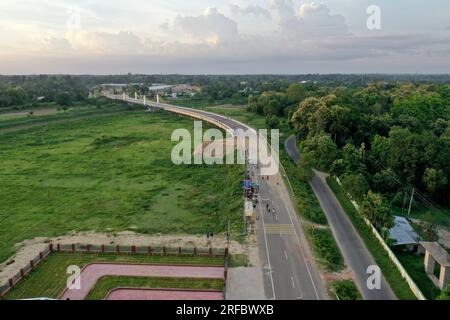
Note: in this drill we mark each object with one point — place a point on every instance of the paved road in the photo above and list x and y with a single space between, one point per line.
289 269
356 255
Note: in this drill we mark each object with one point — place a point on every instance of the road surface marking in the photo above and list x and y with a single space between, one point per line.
268 255
285 254
303 254
281 229
293 283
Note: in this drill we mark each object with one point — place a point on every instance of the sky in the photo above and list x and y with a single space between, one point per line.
224 37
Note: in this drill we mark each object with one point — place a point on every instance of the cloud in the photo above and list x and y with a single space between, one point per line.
317 20
311 20
255 10
296 35
104 42
212 27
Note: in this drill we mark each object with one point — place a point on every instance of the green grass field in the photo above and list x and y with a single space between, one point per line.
110 173
49 279
106 284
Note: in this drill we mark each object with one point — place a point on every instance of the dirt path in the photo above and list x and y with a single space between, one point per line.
93 272
43 122
155 294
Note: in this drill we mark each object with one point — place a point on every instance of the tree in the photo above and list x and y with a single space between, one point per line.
375 209
63 99
338 168
356 185
339 118
296 93
352 159
385 181
273 122
434 180
321 149
305 168
429 228
301 119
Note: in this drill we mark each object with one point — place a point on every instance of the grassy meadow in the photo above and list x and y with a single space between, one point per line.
109 173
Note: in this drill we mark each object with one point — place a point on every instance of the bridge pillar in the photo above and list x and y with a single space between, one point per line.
429 263
145 100
135 95
157 98
444 277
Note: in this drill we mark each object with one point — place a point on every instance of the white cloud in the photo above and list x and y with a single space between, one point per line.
105 43
212 27
297 34
255 10
311 20
316 19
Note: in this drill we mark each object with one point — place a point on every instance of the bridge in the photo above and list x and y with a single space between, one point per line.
287 264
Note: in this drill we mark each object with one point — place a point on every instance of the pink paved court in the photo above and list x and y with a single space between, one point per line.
93 272
155 294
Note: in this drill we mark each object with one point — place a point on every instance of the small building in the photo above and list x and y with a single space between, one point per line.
404 235
113 86
434 253
159 88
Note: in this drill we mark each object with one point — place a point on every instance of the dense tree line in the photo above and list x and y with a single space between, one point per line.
379 139
28 90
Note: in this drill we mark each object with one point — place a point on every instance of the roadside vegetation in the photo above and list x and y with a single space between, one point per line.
326 249
345 290
49 278
392 275
414 266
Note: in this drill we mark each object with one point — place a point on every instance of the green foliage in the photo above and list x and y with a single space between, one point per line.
390 271
296 93
413 264
322 149
106 284
110 173
273 122
377 211
355 185
445 295
345 290
50 277
435 180
326 248
307 203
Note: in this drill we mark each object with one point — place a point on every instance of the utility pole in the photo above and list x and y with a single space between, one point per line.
229 233
410 203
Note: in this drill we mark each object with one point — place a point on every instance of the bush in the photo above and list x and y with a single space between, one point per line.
327 249
445 295
355 185
346 290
